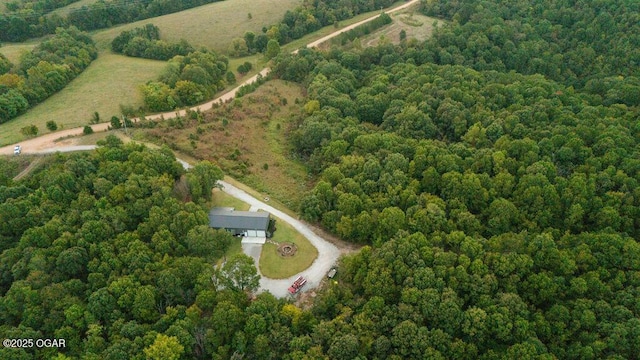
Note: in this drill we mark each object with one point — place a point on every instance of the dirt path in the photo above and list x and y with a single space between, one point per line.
50 141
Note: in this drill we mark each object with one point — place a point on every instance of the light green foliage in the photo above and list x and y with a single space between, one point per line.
186 80
164 348
273 49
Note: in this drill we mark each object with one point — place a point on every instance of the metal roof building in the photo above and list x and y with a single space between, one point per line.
246 223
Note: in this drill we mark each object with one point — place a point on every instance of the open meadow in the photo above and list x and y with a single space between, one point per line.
109 81
213 25
112 80
13 51
415 25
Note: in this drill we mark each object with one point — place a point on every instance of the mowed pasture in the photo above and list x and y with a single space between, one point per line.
213 26
13 51
415 25
109 81
65 10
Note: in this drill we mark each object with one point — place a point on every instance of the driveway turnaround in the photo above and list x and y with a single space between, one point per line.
327 252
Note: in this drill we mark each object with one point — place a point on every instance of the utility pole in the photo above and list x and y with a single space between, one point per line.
125 124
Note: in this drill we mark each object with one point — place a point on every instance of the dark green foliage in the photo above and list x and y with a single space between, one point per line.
145 42
501 207
273 49
5 64
245 67
560 39
52 126
95 222
29 131
87 130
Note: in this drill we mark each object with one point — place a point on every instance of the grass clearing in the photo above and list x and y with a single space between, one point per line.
246 138
14 51
222 199
65 10
212 25
109 81
416 26
274 266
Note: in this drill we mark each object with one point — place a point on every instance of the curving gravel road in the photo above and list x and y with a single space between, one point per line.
327 252
48 141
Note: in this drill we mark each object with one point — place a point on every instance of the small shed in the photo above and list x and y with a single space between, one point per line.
240 223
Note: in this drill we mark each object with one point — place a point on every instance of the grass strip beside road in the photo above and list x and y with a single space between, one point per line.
222 199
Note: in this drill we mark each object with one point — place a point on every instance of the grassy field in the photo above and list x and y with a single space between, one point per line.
213 25
222 199
109 81
415 25
246 138
64 11
13 51
274 266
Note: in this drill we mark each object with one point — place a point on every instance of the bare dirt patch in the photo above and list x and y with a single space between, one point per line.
287 249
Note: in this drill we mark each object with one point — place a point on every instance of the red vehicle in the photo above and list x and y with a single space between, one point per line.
297 285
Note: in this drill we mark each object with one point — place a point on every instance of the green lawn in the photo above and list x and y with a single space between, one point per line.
274 266
222 199
109 81
13 51
213 25
234 248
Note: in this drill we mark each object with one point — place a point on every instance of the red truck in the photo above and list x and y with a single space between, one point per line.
297 285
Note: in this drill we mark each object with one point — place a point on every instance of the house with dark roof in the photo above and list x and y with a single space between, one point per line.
242 223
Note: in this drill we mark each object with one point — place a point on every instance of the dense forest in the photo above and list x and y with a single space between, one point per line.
48 68
491 174
23 24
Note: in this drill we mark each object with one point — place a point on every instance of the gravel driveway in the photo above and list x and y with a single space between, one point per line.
327 252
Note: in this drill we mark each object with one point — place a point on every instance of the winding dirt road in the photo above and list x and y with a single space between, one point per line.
51 141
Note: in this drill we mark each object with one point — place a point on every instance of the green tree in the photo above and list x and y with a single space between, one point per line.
272 50
29 131
202 178
164 348
52 126
239 273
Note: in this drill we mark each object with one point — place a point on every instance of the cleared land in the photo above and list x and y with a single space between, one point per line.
14 51
63 11
416 26
213 25
109 81
274 266
222 199
247 139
